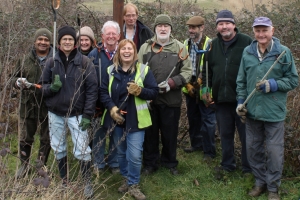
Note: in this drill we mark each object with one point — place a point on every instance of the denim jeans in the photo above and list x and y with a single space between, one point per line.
208 129
99 143
265 150
130 148
58 139
228 120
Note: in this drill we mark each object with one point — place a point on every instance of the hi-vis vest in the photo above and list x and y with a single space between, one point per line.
143 114
205 45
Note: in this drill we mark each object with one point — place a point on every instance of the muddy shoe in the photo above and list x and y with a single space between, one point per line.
88 190
115 170
257 191
135 192
124 187
273 196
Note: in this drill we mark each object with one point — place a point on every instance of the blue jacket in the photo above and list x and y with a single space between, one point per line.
270 106
119 93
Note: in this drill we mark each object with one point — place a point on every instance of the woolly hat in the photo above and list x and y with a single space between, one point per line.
86 31
195 21
43 32
66 30
225 16
162 19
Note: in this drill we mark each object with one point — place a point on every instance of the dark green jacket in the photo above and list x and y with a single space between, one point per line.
32 103
223 67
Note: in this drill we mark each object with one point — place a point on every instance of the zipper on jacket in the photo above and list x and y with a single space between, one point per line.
226 74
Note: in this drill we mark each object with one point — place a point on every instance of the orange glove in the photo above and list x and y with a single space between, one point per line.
199 81
191 90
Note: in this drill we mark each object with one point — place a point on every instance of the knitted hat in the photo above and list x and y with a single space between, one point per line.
86 31
162 19
225 16
66 30
262 21
43 32
195 21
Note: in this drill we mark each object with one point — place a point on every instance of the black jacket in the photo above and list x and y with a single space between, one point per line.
78 93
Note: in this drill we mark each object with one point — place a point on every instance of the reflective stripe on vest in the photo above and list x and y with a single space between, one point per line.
206 43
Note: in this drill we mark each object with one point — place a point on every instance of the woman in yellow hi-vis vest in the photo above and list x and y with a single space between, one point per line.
124 90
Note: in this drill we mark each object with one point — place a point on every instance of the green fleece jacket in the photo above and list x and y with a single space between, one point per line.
223 67
162 64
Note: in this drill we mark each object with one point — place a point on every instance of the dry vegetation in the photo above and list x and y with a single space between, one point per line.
19 20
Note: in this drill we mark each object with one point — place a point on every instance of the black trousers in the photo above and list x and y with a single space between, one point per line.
165 122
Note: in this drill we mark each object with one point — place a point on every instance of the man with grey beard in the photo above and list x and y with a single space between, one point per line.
223 65
169 62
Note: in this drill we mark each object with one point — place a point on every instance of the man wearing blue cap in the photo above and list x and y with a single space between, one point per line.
266 110
223 65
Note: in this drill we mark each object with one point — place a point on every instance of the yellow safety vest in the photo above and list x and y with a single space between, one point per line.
143 114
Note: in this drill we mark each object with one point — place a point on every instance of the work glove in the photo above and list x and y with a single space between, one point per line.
133 89
164 87
267 86
191 90
84 124
116 115
199 81
241 111
206 98
56 84
23 83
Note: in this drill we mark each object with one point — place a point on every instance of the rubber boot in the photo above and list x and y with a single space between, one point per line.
44 151
25 151
63 170
85 167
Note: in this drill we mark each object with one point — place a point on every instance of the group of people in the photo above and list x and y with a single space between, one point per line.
135 87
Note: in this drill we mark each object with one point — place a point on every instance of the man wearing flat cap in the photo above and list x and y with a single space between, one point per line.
223 65
69 84
265 112
161 54
33 111
202 120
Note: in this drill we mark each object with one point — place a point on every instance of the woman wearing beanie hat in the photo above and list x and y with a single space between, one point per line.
86 40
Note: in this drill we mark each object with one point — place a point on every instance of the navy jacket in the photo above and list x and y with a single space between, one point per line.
119 93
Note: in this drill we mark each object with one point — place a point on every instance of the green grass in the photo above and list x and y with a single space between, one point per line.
159 186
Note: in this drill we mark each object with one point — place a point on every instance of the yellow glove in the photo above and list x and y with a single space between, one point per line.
191 90
116 116
133 89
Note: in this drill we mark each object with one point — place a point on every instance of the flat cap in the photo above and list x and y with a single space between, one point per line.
195 21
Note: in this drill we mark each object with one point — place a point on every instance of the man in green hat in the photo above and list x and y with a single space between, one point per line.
171 74
33 111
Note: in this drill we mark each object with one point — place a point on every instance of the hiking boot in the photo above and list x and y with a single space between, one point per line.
135 192
148 170
115 170
174 171
192 149
124 187
85 168
88 190
207 158
273 196
22 171
257 191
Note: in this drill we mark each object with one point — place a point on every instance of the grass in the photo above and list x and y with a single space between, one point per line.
196 181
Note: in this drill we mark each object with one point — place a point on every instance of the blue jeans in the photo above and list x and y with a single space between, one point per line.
228 120
208 129
58 139
265 150
130 148
99 143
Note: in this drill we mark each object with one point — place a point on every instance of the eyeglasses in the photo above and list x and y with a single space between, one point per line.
130 15
110 34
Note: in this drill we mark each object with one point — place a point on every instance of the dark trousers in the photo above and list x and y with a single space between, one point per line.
228 120
195 122
165 121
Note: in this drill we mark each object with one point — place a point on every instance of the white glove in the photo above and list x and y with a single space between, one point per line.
164 87
23 83
241 112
